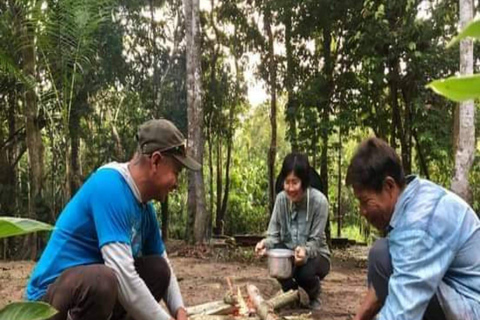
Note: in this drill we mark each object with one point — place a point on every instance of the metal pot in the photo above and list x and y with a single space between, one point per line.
280 263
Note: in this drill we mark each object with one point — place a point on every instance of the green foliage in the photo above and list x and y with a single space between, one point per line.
248 202
24 310
352 232
465 87
458 88
17 226
472 30
27 311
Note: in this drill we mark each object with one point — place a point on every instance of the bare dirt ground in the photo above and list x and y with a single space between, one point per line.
202 277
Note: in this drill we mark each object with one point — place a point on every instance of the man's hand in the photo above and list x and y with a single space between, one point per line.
300 256
260 249
181 314
370 306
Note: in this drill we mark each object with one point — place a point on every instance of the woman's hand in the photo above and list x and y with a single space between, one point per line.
300 256
260 249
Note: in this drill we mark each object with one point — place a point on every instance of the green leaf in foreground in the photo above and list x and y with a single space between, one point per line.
27 311
458 88
471 30
10 226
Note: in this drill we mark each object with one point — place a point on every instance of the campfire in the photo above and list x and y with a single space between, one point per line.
253 306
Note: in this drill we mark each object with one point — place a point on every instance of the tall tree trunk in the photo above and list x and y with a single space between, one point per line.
7 171
33 133
196 188
153 44
213 86
328 69
165 220
218 214
465 137
407 144
210 164
272 83
227 169
75 172
398 128
421 156
291 101
325 110
339 185
8 156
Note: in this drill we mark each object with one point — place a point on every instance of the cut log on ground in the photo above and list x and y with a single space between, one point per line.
264 308
222 310
211 308
220 317
284 299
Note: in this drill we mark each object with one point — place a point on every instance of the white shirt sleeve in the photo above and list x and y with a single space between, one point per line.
173 297
133 293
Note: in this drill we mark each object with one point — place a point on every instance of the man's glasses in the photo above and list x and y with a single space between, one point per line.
178 150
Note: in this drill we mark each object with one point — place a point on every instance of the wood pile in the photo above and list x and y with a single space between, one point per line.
235 306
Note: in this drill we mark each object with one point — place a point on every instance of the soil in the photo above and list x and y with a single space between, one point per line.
202 274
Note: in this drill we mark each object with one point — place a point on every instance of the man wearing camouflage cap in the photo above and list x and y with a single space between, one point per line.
106 258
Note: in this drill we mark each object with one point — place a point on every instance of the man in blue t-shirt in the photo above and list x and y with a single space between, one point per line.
106 258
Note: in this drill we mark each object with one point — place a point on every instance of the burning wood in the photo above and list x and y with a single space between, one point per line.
238 308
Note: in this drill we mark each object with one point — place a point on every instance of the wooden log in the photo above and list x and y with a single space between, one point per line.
232 317
218 308
211 308
264 308
284 299
221 317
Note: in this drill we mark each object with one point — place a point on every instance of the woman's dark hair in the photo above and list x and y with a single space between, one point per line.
373 161
298 164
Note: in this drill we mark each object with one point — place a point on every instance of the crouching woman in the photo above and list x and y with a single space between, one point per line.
298 223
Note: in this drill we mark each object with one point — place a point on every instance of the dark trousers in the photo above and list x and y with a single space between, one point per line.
308 276
379 271
90 292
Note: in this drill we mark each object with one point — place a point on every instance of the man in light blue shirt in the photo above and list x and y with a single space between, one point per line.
428 266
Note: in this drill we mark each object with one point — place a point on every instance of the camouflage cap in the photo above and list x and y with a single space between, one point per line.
163 136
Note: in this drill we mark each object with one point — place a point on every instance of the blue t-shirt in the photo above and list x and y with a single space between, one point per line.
103 211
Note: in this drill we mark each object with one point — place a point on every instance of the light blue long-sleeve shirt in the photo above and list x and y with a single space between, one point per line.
435 247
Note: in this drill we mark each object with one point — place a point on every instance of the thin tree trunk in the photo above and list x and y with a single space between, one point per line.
465 139
75 173
325 111
210 164
291 101
165 220
227 169
339 185
408 130
272 82
213 84
196 188
8 159
398 128
421 156
218 215
33 133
